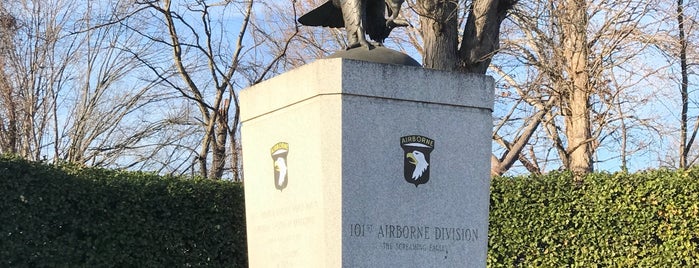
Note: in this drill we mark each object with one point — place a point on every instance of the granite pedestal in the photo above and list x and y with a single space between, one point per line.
357 164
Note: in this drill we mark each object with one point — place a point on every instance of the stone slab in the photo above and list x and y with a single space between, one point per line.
347 135
378 54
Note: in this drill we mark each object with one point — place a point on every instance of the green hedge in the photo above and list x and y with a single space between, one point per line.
72 217
647 219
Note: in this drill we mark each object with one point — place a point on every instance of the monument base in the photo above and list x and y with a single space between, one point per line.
358 164
376 54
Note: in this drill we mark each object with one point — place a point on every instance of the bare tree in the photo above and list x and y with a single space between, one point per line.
8 121
578 74
103 123
70 93
94 87
208 65
33 66
677 24
685 25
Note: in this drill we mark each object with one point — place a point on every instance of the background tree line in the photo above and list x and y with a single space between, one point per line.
153 84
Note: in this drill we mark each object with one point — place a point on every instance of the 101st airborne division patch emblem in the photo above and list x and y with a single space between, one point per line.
416 160
281 171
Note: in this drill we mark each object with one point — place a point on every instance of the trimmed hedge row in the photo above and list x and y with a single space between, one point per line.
73 217
68 216
648 219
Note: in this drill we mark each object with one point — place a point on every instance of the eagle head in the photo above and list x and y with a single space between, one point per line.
417 159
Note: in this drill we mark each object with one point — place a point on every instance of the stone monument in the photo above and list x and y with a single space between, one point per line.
365 159
358 164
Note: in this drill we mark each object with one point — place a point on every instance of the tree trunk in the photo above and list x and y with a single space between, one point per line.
514 151
218 159
575 50
236 152
8 116
438 25
481 38
684 90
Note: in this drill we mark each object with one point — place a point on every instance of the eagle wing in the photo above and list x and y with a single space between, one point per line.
375 20
359 17
327 15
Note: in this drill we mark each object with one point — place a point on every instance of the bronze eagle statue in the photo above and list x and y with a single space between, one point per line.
359 17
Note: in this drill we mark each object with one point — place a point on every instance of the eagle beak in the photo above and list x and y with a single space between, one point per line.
411 158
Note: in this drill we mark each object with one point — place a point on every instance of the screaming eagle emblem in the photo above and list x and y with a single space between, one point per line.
416 160
281 176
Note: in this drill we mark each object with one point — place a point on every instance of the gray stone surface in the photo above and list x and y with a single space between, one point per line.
376 54
347 201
